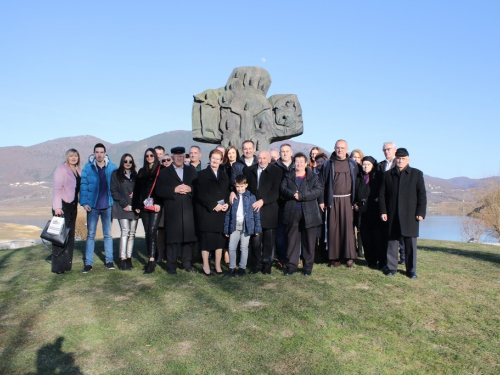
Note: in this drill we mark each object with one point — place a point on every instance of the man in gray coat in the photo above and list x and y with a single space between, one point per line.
403 204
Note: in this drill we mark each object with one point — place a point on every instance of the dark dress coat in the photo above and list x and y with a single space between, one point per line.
366 197
269 192
327 175
402 197
142 188
208 191
309 192
178 208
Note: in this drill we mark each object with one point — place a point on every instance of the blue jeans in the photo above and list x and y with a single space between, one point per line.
92 218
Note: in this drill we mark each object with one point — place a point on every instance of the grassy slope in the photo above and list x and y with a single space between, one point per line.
337 321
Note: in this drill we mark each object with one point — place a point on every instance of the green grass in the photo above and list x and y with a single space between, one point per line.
337 321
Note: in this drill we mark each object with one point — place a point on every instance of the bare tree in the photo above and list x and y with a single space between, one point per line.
484 215
473 229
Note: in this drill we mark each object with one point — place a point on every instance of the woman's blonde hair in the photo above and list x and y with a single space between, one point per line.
71 152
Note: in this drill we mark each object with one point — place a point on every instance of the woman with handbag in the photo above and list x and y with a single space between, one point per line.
122 188
148 204
65 204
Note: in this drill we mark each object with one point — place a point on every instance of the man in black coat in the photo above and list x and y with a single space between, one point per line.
246 160
402 202
286 163
175 186
389 150
264 181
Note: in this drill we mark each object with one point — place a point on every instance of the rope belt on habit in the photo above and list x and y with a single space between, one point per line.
341 196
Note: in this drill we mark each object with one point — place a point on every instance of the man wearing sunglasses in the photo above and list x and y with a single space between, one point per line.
96 199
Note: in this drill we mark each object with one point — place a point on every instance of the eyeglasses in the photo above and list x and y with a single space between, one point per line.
127 162
150 156
165 160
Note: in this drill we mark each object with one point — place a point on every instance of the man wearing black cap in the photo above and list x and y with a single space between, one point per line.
175 186
402 202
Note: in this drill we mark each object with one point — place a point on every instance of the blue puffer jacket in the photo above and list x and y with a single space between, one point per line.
89 187
252 218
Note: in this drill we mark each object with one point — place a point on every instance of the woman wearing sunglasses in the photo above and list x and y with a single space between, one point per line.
166 160
150 214
122 188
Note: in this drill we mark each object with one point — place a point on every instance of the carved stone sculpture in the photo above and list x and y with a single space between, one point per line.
240 111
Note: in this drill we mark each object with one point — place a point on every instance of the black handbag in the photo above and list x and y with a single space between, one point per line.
56 239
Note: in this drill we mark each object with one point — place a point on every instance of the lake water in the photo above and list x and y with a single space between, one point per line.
446 228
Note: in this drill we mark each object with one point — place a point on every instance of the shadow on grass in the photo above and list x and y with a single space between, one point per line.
138 252
50 359
21 337
479 255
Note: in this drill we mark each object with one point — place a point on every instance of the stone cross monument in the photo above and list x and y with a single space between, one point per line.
240 111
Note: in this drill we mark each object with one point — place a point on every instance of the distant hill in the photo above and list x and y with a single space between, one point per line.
28 165
38 162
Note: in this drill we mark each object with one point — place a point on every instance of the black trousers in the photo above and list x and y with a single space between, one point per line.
187 254
62 257
262 247
150 220
410 253
299 235
372 239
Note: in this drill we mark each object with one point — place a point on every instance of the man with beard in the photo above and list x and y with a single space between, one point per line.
338 176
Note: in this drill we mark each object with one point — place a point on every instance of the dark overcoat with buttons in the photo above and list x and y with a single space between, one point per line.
402 197
208 191
268 191
179 213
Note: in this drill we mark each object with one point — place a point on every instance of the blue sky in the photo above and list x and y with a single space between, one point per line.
425 74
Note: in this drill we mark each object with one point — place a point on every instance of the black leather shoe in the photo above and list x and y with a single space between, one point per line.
188 269
172 272
240 272
412 275
266 270
307 273
254 270
230 273
150 267
402 261
390 273
287 272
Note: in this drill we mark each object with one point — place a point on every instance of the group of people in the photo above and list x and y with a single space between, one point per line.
273 206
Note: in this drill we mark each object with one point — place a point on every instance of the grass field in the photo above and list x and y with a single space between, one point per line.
338 321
